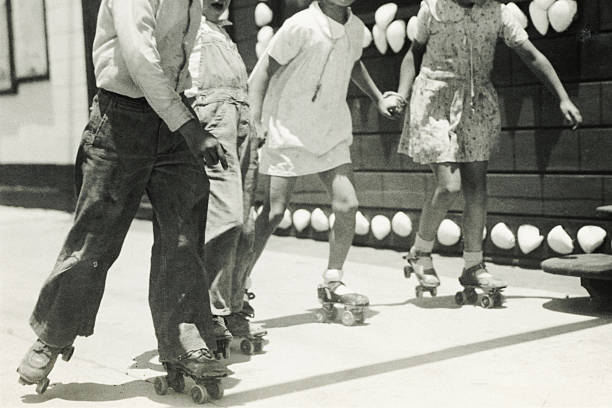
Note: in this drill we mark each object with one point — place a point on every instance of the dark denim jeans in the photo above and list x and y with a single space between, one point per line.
126 149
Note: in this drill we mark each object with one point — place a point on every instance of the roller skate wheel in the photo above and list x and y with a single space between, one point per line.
247 347
41 387
498 299
67 353
418 291
161 385
486 301
459 298
258 347
472 296
348 318
215 390
198 394
178 384
321 316
434 292
407 271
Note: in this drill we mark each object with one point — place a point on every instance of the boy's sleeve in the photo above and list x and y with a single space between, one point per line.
423 22
287 42
135 22
511 30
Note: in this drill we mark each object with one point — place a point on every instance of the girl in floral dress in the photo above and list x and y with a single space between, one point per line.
453 121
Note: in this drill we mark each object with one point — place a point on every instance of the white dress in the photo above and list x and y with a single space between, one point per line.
310 131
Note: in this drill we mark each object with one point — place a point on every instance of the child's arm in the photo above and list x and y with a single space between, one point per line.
541 66
361 77
258 85
408 68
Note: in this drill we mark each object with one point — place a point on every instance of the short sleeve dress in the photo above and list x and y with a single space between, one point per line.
305 111
454 112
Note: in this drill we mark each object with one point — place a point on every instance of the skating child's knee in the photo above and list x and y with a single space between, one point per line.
345 206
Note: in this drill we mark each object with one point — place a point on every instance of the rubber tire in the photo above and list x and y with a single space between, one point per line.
198 394
42 385
247 347
215 390
161 385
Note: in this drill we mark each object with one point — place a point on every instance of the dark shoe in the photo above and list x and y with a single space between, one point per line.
479 276
199 364
239 325
328 294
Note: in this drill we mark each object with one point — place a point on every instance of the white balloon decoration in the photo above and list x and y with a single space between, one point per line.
396 35
362 225
259 49
319 221
539 18
380 39
401 224
411 28
286 221
381 227
590 237
367 37
543 4
265 34
502 237
529 238
263 14
559 241
561 14
301 219
449 233
385 15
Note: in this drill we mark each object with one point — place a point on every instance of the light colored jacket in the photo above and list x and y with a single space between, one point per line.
142 48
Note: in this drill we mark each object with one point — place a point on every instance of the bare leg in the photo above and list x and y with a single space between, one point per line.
278 192
474 184
448 186
344 205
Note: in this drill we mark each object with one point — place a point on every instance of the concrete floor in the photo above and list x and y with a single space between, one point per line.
545 348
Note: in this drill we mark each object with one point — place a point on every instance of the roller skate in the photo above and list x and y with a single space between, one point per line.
246 306
334 291
426 276
223 337
247 337
200 366
477 277
38 363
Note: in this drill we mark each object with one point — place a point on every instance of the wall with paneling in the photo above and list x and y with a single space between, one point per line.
542 174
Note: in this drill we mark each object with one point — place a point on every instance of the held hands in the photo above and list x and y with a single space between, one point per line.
571 113
203 144
392 105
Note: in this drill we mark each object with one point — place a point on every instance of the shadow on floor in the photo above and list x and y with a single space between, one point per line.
580 306
140 388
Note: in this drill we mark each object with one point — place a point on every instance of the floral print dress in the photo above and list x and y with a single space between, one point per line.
454 112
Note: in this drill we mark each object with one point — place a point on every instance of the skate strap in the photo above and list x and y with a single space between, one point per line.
332 286
195 354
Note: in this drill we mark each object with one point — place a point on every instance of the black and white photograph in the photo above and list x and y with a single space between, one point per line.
306 203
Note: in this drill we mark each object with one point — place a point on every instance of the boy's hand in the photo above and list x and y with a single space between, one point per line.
571 113
202 144
260 133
